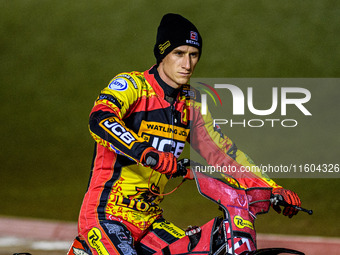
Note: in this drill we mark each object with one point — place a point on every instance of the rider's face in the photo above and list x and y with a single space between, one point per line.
177 67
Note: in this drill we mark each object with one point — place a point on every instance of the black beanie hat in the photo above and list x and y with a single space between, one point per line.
174 31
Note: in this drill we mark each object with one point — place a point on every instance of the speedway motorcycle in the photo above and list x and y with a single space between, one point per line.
232 234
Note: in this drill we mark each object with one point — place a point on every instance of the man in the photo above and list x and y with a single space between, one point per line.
140 123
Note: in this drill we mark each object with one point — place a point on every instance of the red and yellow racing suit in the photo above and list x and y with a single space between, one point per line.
130 115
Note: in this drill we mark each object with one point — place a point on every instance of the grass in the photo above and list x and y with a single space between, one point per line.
56 57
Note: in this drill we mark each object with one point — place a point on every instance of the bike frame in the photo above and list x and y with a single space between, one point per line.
235 233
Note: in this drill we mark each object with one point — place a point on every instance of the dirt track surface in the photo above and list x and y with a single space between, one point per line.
40 237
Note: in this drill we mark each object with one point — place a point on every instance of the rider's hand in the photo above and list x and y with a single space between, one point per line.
163 162
291 198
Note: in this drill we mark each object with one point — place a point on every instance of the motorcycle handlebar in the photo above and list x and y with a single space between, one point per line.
183 166
279 200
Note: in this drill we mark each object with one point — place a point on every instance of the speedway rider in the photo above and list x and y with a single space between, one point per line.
151 114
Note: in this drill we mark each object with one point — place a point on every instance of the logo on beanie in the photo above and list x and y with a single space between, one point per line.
193 35
163 47
193 39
